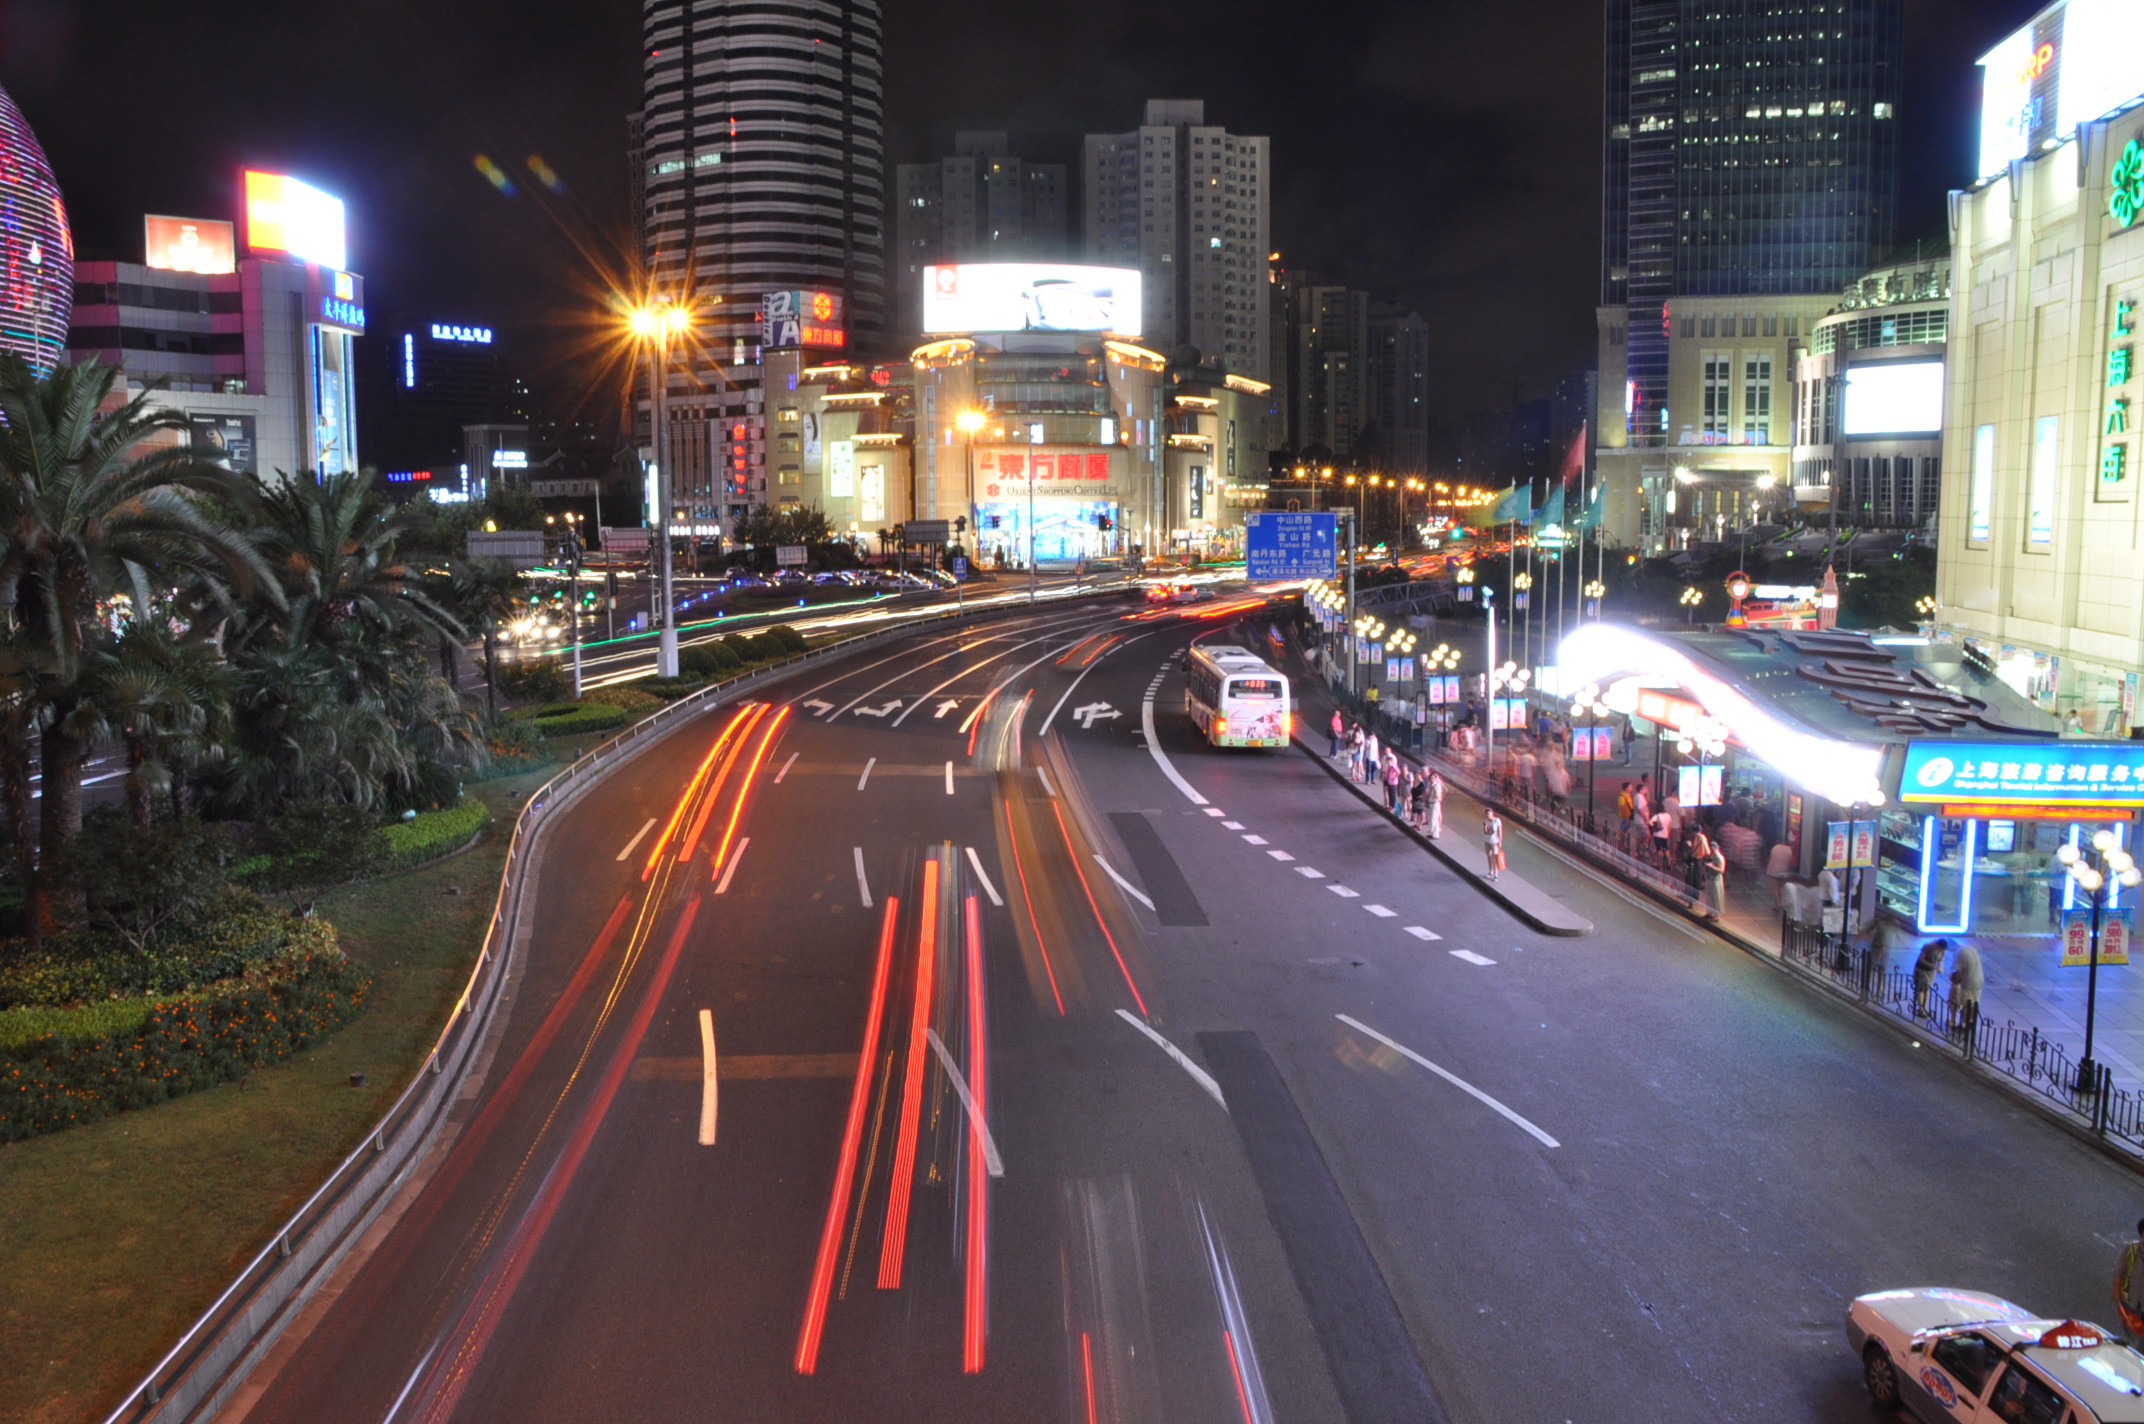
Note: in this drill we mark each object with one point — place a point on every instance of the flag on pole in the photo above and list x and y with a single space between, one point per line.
1552 512
1513 506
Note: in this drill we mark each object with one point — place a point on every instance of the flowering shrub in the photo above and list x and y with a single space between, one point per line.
241 931
276 1009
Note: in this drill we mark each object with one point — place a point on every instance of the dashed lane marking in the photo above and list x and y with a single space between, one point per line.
1471 957
1309 874
1344 893
1280 855
1419 933
1379 910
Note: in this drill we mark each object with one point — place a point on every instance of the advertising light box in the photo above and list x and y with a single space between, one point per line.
295 219
189 245
2024 773
1893 398
1030 296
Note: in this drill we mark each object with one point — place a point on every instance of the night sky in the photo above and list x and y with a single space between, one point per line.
1445 155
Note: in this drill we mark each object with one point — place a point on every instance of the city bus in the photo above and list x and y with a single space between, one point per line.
1235 698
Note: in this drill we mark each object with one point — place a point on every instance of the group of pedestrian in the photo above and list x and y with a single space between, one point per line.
1413 795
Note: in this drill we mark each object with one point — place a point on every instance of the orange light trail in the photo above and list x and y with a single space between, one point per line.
975 1314
714 790
822 1275
1073 855
904 1150
662 842
1029 901
744 792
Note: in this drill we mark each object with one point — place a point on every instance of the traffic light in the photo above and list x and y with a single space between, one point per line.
1104 523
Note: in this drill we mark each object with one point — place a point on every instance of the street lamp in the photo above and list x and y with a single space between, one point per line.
1926 607
655 325
1588 703
1595 592
1522 595
2101 875
1689 601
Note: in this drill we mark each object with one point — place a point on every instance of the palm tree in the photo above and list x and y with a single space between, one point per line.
170 700
484 593
89 511
334 542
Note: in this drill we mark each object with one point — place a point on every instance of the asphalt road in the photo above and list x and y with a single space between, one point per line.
1293 1124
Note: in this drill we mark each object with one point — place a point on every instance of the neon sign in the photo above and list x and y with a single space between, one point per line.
479 335
2125 200
2042 59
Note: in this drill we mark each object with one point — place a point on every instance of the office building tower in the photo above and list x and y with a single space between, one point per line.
982 204
36 248
1749 166
1332 332
1395 402
761 152
425 382
1189 204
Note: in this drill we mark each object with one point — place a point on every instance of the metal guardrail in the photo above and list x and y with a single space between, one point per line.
215 1354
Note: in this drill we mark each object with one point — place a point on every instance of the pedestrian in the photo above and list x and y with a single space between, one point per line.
1373 759
2129 1287
1339 732
1714 869
1392 783
1354 752
1436 804
1492 840
1779 868
1419 791
1925 970
1967 979
1663 828
1626 809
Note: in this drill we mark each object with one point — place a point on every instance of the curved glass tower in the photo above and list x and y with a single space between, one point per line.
36 249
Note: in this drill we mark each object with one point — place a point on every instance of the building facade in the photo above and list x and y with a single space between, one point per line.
761 169
428 380
36 247
1868 401
1396 388
1189 205
983 203
2037 555
1749 169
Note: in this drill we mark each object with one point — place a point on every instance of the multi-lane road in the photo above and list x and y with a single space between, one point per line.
949 1034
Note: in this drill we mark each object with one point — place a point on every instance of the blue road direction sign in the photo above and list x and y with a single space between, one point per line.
1290 545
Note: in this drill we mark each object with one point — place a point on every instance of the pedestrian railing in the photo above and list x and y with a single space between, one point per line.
198 1375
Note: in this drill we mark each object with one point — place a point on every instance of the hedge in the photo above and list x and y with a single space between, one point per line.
585 717
245 931
431 834
25 1026
198 1041
632 699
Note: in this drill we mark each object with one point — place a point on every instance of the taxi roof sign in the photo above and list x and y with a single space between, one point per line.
2072 1335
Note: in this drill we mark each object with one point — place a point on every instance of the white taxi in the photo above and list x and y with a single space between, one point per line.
1967 1355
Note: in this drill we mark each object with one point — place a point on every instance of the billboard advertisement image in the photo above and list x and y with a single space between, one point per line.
229 438
189 245
1893 398
1030 296
294 219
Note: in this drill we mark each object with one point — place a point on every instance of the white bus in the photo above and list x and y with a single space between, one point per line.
1236 699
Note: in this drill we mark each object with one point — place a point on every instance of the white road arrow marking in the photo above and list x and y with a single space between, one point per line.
1094 712
944 707
818 707
1198 1075
888 710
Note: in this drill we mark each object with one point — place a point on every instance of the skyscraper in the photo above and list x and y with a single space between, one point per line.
36 248
1749 167
1190 205
761 151
981 204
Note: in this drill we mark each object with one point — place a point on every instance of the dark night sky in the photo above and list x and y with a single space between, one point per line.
1444 153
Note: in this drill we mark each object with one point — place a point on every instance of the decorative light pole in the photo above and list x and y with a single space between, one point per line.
1927 607
1689 601
1595 592
1587 702
655 326
2098 874
1522 594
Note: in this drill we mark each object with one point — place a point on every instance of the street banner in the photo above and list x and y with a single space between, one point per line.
2114 938
2076 938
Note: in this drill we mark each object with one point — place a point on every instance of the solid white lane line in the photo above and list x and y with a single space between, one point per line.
710 1091
949 778
1471 957
1344 893
1161 758
1198 1074
638 837
1419 933
785 767
984 876
722 887
867 773
1380 911
1122 884
1454 1079
1215 811
1232 825
1044 773
1255 840
396 1407
1280 855
994 1163
1309 874
863 886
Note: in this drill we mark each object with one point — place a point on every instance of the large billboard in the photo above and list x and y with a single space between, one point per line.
799 318
1893 398
1030 296
229 438
189 245
2074 63
294 219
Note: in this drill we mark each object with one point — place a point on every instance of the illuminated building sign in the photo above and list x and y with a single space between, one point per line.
338 300
2024 773
510 459
1030 296
2114 423
189 245
294 219
800 318
2074 64
479 335
405 477
2125 184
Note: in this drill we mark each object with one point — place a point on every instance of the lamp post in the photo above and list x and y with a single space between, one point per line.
1872 802
2099 874
1508 677
1926 607
1689 601
1595 592
1522 585
1588 702
654 326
